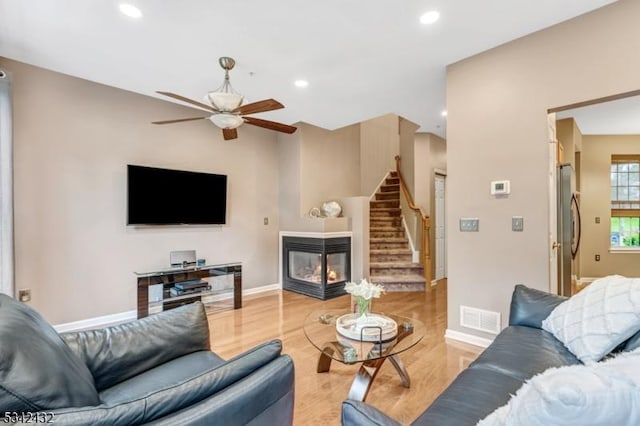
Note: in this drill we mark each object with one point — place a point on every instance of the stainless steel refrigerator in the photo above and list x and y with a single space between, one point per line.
569 228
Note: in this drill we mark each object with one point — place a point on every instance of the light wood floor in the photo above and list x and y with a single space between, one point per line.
432 364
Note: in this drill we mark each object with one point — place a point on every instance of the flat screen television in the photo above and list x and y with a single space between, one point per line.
175 197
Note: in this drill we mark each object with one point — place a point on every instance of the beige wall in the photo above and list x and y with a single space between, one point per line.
596 202
379 144
569 136
497 129
72 141
289 202
330 164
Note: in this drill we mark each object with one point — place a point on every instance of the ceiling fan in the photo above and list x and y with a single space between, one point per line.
227 111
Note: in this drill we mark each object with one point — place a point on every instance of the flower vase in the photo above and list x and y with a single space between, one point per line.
363 307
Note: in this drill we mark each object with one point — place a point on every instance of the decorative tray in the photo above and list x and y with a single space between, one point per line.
367 328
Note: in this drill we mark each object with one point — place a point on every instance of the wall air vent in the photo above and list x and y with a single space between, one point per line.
479 319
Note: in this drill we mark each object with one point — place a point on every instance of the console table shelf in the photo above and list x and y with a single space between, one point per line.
159 283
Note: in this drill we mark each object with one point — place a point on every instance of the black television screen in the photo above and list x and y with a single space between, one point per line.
170 197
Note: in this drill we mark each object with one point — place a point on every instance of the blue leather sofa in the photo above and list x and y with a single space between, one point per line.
158 370
519 352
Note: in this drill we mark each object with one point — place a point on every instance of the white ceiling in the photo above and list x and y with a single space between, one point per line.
621 117
362 58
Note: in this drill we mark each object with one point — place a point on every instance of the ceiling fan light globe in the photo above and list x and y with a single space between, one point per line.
225 101
226 121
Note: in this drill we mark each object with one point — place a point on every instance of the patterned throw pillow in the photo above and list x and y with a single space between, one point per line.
596 320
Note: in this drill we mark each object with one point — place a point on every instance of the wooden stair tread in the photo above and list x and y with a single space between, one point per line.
388 240
390 251
385 209
393 265
390 279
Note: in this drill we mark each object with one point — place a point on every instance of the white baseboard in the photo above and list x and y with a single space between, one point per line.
262 289
96 322
467 338
121 317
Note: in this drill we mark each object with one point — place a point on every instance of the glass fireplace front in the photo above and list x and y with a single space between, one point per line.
317 267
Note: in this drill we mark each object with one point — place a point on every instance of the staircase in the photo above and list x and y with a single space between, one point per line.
390 255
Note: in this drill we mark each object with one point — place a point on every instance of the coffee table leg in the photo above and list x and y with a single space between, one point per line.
402 372
324 362
364 378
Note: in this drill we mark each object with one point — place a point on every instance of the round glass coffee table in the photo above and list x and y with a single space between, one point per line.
320 329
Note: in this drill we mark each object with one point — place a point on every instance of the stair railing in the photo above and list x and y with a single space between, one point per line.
425 246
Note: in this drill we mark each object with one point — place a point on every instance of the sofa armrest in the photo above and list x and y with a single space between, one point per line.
264 398
356 413
529 307
116 353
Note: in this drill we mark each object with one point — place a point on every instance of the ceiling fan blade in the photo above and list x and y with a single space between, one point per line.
260 106
189 101
271 125
229 134
179 120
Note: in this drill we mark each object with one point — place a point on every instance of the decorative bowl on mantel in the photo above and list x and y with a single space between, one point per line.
331 209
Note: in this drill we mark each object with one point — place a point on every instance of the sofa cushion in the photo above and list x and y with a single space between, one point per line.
522 352
473 395
164 376
38 371
116 353
593 322
265 398
151 396
604 393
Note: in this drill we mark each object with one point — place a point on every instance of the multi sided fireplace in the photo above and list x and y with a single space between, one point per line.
317 267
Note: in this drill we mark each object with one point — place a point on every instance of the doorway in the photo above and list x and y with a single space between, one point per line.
600 140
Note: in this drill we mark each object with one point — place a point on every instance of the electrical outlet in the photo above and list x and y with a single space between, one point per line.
597 219
597 258
469 224
24 295
266 220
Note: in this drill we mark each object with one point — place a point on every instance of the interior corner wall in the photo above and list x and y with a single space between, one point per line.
72 141
379 145
289 203
595 201
497 129
329 165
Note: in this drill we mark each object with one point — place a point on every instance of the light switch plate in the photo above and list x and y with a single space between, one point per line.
517 224
469 224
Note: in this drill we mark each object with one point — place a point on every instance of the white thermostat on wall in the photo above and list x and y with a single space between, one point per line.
500 187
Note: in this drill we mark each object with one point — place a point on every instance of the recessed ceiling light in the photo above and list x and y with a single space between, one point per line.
301 83
130 10
444 113
430 17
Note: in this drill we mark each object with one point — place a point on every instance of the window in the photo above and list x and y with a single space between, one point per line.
625 201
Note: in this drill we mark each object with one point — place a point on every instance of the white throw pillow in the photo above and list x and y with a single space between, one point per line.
605 393
596 320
